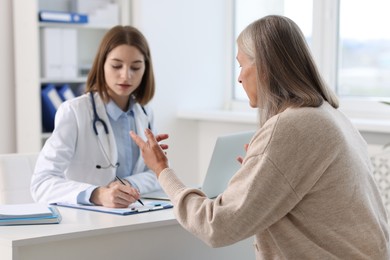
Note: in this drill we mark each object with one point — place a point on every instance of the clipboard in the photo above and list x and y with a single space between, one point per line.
134 208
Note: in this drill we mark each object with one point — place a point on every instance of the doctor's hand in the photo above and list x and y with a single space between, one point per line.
152 152
115 195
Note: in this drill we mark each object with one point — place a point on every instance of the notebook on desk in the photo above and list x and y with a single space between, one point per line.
28 214
223 165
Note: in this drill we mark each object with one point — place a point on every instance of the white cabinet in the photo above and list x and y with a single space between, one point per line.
29 53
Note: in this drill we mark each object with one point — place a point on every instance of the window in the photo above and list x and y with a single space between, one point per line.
349 41
247 11
364 50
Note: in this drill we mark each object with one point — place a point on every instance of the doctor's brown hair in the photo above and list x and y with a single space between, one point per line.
287 75
116 36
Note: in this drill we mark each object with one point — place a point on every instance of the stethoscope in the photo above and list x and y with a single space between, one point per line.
97 119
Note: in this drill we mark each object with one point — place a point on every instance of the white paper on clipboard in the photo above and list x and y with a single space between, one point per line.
134 208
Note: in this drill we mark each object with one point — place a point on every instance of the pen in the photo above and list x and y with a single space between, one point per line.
119 179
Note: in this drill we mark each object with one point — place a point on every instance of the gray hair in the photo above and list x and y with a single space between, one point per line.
286 72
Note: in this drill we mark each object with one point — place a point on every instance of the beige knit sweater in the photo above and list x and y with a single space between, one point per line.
305 191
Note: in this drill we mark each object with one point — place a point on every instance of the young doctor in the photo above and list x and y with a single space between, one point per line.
90 145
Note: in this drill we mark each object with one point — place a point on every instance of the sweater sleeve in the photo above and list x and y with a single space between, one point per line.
257 196
250 203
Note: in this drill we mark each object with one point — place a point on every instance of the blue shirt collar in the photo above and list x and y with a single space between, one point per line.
115 112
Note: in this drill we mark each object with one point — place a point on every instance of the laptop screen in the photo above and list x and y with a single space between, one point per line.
223 165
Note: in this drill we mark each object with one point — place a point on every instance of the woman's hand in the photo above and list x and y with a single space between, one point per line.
240 159
152 152
115 195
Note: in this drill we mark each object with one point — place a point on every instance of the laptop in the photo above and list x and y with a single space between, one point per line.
223 165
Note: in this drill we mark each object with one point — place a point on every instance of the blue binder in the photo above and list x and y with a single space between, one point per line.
51 100
65 92
62 17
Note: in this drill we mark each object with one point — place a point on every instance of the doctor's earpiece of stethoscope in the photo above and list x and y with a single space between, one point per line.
96 117
106 167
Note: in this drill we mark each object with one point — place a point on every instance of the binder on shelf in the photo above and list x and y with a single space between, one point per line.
65 92
69 53
79 89
28 214
59 52
51 100
62 17
51 52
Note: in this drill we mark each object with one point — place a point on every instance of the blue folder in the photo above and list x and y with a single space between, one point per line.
62 17
53 218
51 100
65 92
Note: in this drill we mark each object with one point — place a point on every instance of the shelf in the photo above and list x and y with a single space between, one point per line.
28 51
61 80
75 25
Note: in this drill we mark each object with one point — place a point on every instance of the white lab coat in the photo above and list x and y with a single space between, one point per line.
67 163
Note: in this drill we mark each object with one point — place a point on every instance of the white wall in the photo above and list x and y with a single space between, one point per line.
7 97
190 50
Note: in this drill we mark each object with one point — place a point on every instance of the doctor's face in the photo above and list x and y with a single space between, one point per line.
123 71
247 76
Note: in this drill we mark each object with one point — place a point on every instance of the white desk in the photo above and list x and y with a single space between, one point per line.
93 235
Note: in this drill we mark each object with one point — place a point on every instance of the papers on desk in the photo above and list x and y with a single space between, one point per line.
28 214
134 208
